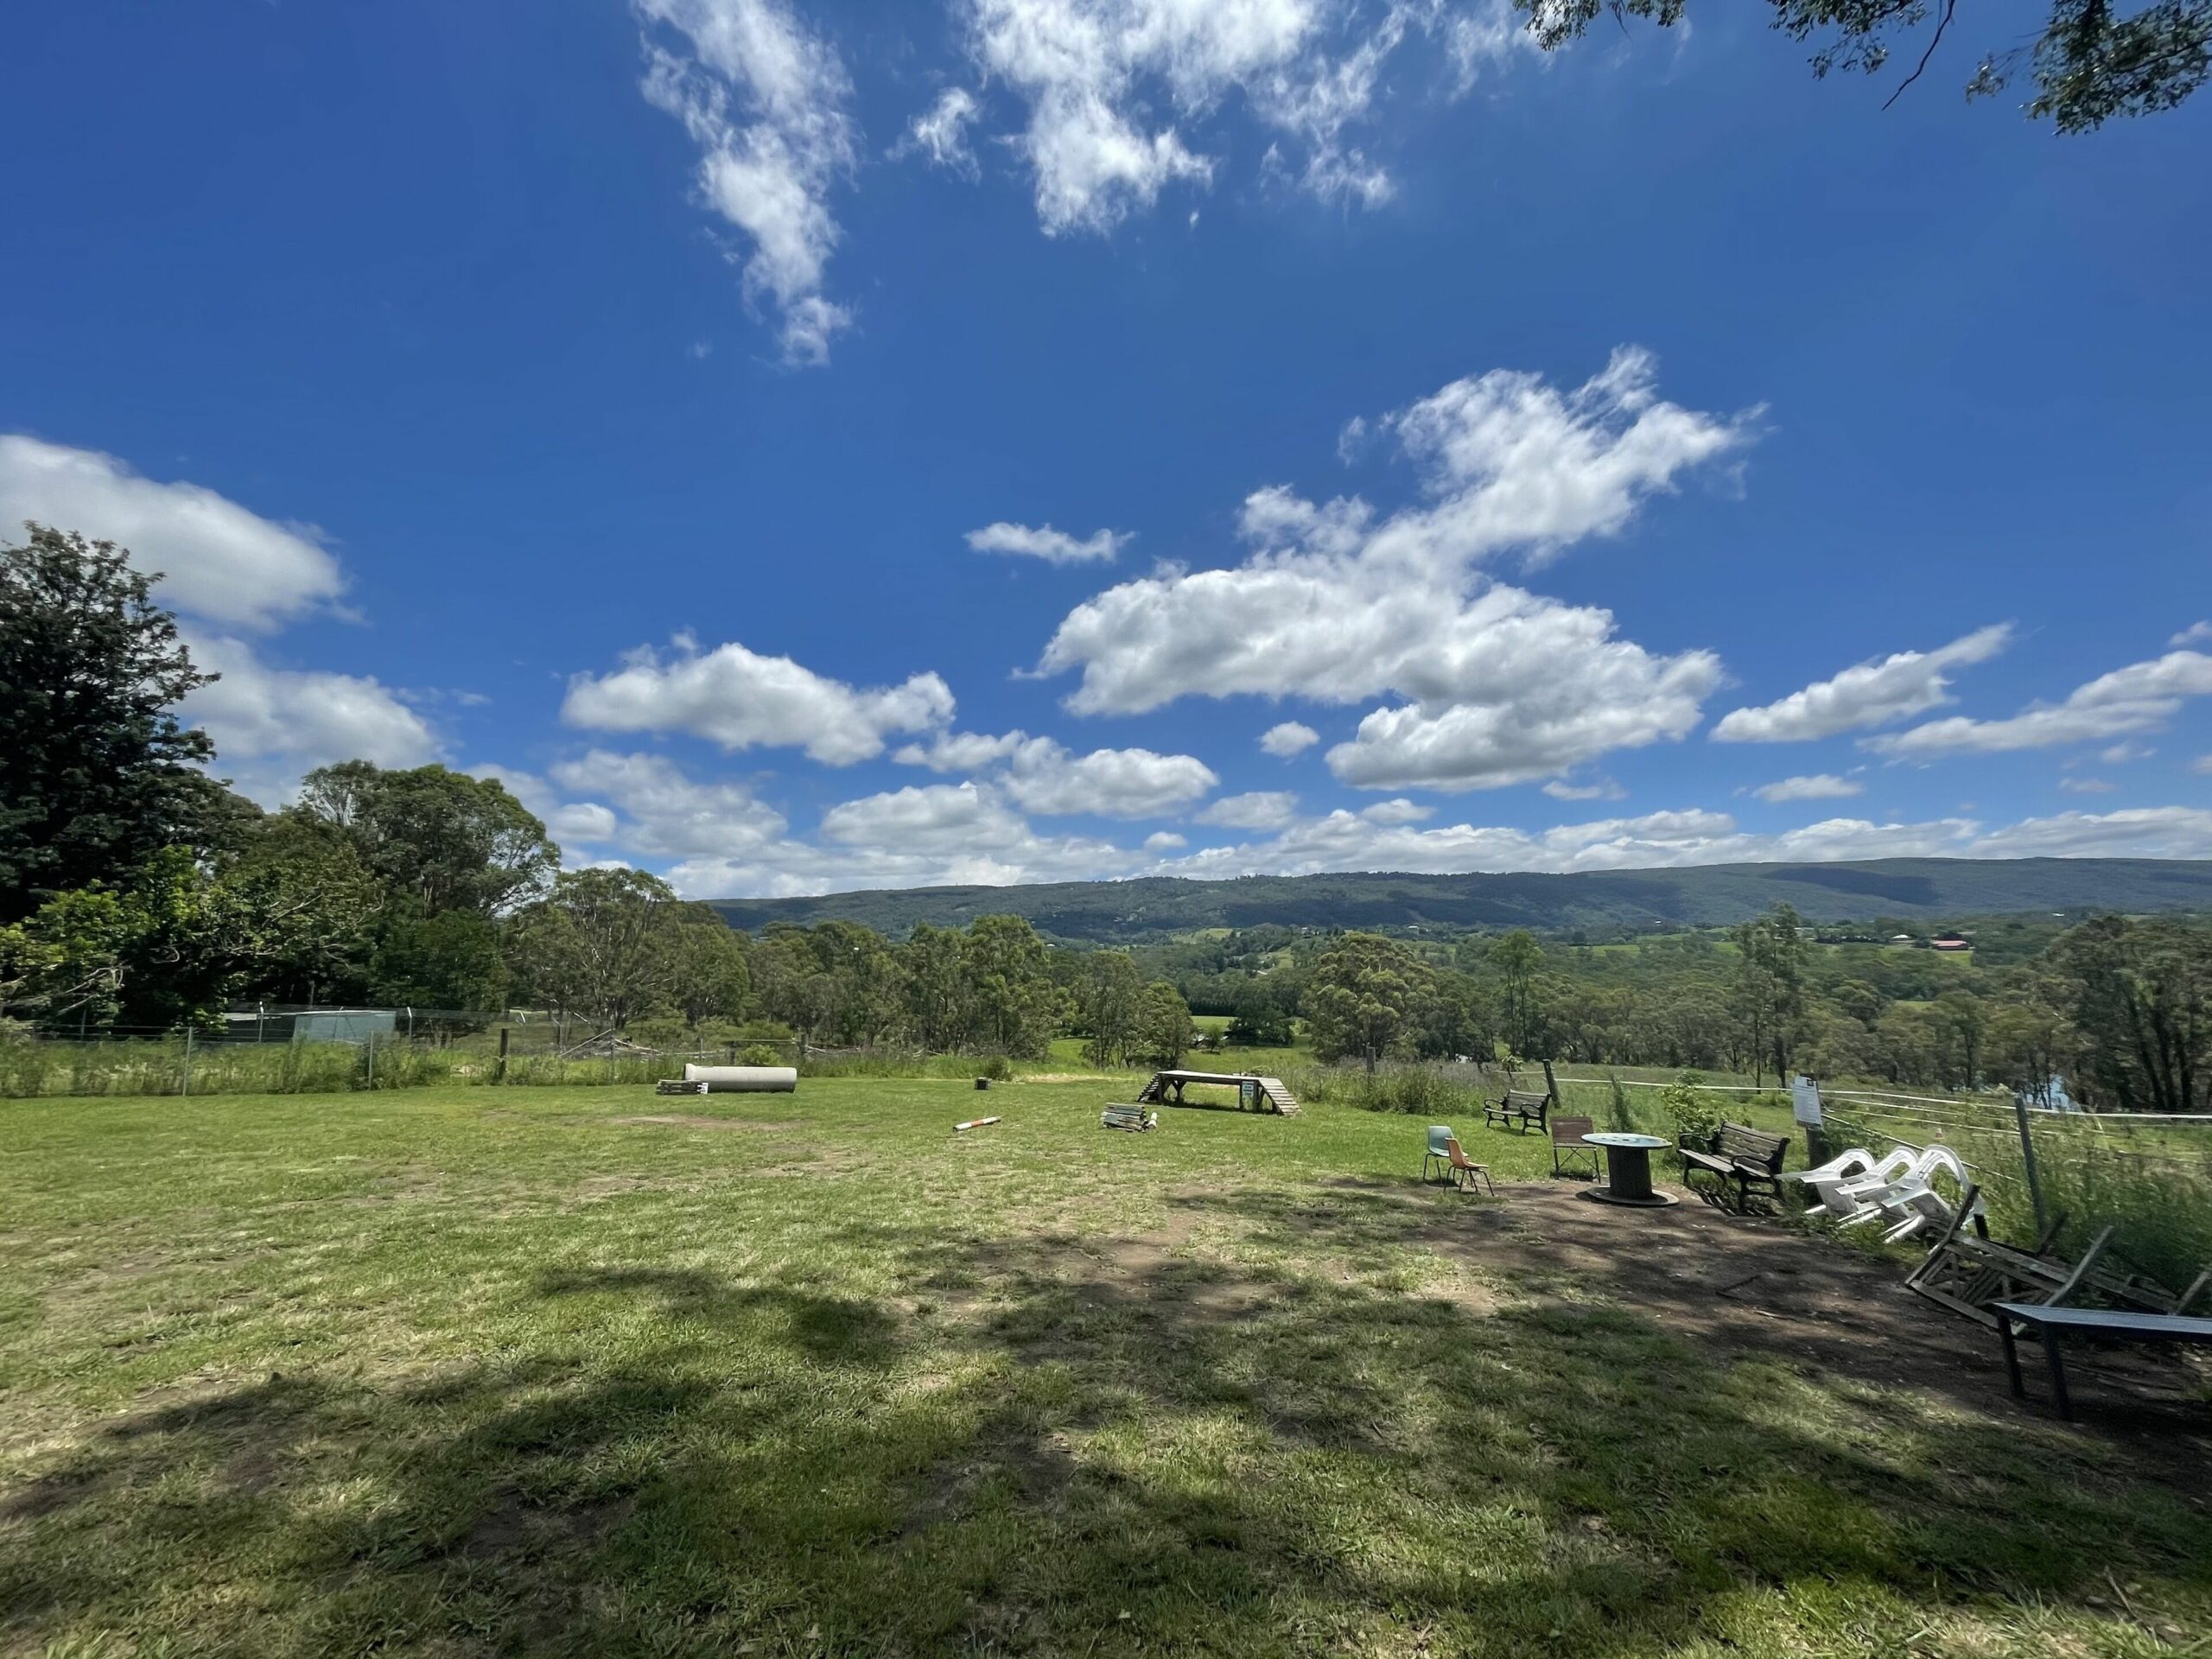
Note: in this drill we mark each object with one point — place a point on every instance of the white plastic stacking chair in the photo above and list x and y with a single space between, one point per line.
1858 1197
1914 1202
1842 1166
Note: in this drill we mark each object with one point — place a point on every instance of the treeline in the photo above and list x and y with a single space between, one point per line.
138 893
427 888
2117 1012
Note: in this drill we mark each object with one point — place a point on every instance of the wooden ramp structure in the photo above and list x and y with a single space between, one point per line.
1254 1092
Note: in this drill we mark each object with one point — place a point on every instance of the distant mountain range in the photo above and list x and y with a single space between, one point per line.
1609 900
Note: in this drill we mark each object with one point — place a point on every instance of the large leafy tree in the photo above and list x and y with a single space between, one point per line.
1014 1006
96 773
603 944
179 941
1109 995
1163 1028
934 980
713 979
2140 996
1365 992
1770 988
2089 61
439 840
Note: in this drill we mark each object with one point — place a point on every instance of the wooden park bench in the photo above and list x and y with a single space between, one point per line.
1738 1159
1520 1110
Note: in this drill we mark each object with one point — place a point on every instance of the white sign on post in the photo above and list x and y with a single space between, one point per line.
1805 1101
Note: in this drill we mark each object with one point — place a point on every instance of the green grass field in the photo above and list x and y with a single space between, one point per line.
471 1371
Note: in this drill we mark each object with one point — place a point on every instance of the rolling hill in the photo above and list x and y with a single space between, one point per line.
1713 895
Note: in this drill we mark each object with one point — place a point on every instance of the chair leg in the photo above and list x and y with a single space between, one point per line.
2011 1357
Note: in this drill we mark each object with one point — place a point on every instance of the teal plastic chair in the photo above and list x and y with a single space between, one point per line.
1440 1150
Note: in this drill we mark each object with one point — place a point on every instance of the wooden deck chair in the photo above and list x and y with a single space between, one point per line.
1440 1150
1568 1150
1465 1169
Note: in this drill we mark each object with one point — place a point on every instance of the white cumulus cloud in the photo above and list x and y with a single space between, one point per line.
575 824
2138 698
1260 809
1287 739
767 103
742 700
1897 687
667 814
217 560
1041 775
271 725
1499 685
1816 787
1043 542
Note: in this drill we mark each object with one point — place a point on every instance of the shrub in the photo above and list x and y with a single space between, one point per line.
761 1054
1692 1115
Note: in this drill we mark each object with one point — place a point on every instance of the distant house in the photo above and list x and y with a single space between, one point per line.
1952 942
1901 938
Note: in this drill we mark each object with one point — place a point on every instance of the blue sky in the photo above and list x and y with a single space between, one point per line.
802 447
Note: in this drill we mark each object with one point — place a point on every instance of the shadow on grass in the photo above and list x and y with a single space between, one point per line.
1053 1443
829 1330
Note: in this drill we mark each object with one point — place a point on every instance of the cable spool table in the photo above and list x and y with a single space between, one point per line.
1628 1169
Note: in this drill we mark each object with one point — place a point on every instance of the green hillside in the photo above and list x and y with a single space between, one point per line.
1609 901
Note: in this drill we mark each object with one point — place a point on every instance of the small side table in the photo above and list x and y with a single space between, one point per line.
1628 1169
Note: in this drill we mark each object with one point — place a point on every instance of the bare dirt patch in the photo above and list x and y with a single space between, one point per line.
1753 1286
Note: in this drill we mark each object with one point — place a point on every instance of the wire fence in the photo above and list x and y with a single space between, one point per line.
273 1048
2148 1177
277 1049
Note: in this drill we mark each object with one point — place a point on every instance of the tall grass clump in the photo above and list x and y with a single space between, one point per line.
162 1065
892 1062
1434 1090
552 1071
2158 1204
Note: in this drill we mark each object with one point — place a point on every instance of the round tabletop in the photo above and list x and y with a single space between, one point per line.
1628 1142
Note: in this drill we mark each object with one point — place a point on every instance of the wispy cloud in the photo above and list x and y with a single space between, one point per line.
1817 786
1043 542
1897 687
767 104
2140 697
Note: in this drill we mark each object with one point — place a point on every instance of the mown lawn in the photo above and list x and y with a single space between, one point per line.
511 1370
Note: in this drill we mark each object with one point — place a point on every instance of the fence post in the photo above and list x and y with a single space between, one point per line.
372 1056
501 1076
187 1060
2028 1160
